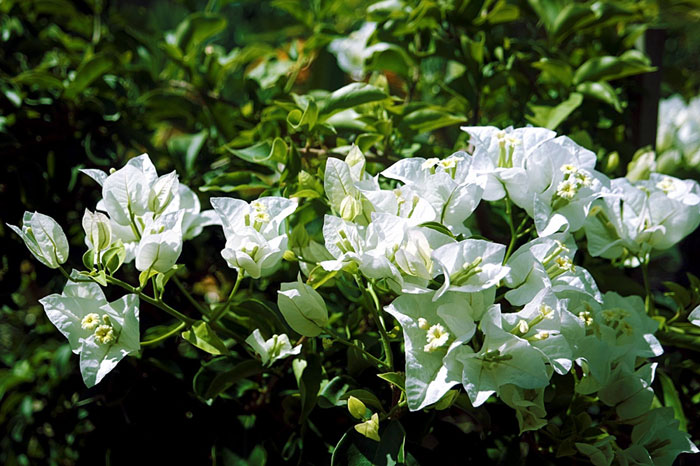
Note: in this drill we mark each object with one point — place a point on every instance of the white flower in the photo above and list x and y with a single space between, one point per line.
254 242
161 243
101 332
44 238
275 348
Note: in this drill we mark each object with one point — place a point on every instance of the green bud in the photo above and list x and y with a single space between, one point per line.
357 408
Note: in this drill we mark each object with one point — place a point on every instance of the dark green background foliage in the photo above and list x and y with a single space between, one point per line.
224 92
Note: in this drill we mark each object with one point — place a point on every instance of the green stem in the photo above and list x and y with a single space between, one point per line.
189 297
374 307
168 334
369 355
513 234
649 299
155 302
239 278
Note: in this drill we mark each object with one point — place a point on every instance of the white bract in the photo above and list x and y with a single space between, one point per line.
449 186
500 156
546 263
161 243
637 218
101 332
44 238
433 331
302 307
255 242
275 348
470 265
135 197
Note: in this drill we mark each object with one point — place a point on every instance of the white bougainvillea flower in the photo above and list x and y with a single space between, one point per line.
161 243
126 192
345 241
629 392
275 348
502 359
401 253
500 156
344 182
101 332
194 220
542 323
351 51
254 239
448 185
561 186
547 263
44 238
470 265
404 202
636 218
433 330
302 307
694 316
657 438
617 332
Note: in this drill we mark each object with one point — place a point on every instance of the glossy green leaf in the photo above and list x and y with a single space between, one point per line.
226 379
552 116
197 28
672 399
203 337
602 91
357 450
398 379
608 68
348 97
89 72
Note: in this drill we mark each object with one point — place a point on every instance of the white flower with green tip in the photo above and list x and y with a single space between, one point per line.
470 265
433 330
273 349
101 332
44 238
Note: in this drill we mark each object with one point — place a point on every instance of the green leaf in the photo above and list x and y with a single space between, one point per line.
308 374
40 78
87 73
672 400
397 379
114 256
384 56
608 68
268 153
297 120
146 275
197 28
602 91
186 147
349 96
572 17
226 379
428 119
203 337
332 393
357 450
548 10
556 70
551 117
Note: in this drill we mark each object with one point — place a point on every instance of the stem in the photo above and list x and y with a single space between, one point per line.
369 355
513 234
155 302
168 334
239 278
189 297
374 308
649 299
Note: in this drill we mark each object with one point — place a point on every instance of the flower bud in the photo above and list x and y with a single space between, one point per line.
350 208
44 238
357 408
98 231
303 308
